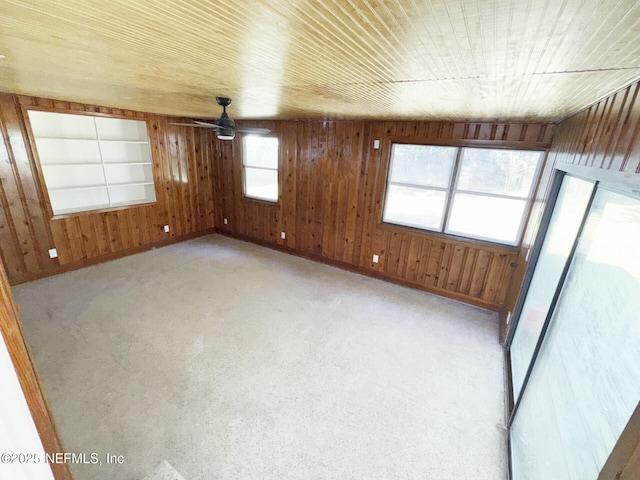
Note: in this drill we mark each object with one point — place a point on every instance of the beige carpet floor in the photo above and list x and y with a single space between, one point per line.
164 471
233 361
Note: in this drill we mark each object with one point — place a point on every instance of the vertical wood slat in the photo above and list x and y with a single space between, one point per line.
9 240
468 269
184 190
10 251
33 199
23 210
425 252
351 203
630 130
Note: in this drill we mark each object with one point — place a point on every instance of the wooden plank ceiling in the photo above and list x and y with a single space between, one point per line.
519 60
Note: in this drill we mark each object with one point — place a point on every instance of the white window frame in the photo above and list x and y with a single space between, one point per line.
452 189
246 167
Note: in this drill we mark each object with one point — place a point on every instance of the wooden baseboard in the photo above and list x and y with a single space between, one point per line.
361 270
111 256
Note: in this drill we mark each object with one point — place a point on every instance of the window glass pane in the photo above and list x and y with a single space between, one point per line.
491 218
422 165
508 172
586 382
261 151
262 184
568 213
414 207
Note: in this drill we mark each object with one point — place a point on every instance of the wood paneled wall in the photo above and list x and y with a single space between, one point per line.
332 185
605 136
184 189
600 142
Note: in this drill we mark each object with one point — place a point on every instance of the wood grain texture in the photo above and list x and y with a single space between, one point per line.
603 142
624 461
331 195
11 330
396 59
184 190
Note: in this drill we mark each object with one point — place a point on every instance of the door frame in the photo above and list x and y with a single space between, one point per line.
11 331
536 249
624 456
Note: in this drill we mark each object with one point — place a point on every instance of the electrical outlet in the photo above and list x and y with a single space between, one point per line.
53 253
376 144
166 228
376 258
283 235
225 221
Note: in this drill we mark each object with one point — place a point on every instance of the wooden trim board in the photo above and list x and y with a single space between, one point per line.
624 461
27 375
87 262
360 270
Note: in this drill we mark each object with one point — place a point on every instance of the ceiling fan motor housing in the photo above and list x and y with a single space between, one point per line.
225 133
226 127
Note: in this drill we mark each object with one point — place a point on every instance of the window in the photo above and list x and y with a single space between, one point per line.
260 162
417 189
474 192
91 162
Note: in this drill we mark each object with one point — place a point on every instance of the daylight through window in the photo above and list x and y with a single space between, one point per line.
260 162
486 199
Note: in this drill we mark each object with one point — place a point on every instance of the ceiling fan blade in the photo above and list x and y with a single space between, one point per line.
253 130
194 125
207 124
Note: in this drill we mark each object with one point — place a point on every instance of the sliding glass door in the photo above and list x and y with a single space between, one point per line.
570 207
585 382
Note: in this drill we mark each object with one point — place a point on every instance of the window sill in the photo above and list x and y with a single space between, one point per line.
261 201
472 242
